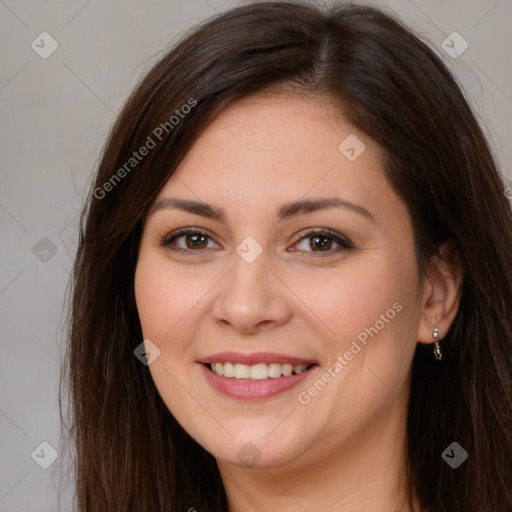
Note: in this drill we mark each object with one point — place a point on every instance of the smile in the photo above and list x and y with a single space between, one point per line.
258 371
255 376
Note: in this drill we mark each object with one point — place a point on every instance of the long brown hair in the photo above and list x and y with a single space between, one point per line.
129 451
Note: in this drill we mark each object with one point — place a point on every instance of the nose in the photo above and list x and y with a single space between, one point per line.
251 298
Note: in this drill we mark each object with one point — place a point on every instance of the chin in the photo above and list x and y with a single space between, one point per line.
247 449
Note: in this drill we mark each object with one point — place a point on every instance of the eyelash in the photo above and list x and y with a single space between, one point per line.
344 243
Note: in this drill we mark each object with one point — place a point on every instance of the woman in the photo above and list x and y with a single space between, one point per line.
292 289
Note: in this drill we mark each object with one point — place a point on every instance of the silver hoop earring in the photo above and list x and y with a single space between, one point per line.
437 348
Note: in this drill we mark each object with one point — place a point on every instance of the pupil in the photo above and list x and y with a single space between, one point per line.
318 244
194 241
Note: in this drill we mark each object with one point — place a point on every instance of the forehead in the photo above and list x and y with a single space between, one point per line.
274 147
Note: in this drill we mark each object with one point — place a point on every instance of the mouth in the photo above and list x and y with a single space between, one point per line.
253 377
257 372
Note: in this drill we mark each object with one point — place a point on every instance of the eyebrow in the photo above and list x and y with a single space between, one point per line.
286 211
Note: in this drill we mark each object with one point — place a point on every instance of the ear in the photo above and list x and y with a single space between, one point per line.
442 290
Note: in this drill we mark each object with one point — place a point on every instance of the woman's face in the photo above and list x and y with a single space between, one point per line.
299 259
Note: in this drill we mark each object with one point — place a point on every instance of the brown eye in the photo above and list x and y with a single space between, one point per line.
324 241
189 240
196 241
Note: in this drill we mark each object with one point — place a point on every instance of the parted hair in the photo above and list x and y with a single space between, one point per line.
128 451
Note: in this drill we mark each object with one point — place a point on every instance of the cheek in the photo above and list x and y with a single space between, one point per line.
370 314
165 302
359 296
165 297
153 302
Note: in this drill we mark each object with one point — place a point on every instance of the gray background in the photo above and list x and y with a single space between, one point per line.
55 116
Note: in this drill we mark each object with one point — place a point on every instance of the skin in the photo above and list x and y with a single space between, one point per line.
343 450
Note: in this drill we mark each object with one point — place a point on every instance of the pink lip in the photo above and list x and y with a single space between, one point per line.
254 358
246 389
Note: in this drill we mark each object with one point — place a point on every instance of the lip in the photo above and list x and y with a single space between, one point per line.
255 358
251 390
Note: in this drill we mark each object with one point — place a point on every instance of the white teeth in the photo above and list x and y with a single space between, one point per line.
242 371
229 369
299 368
274 370
287 370
260 371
